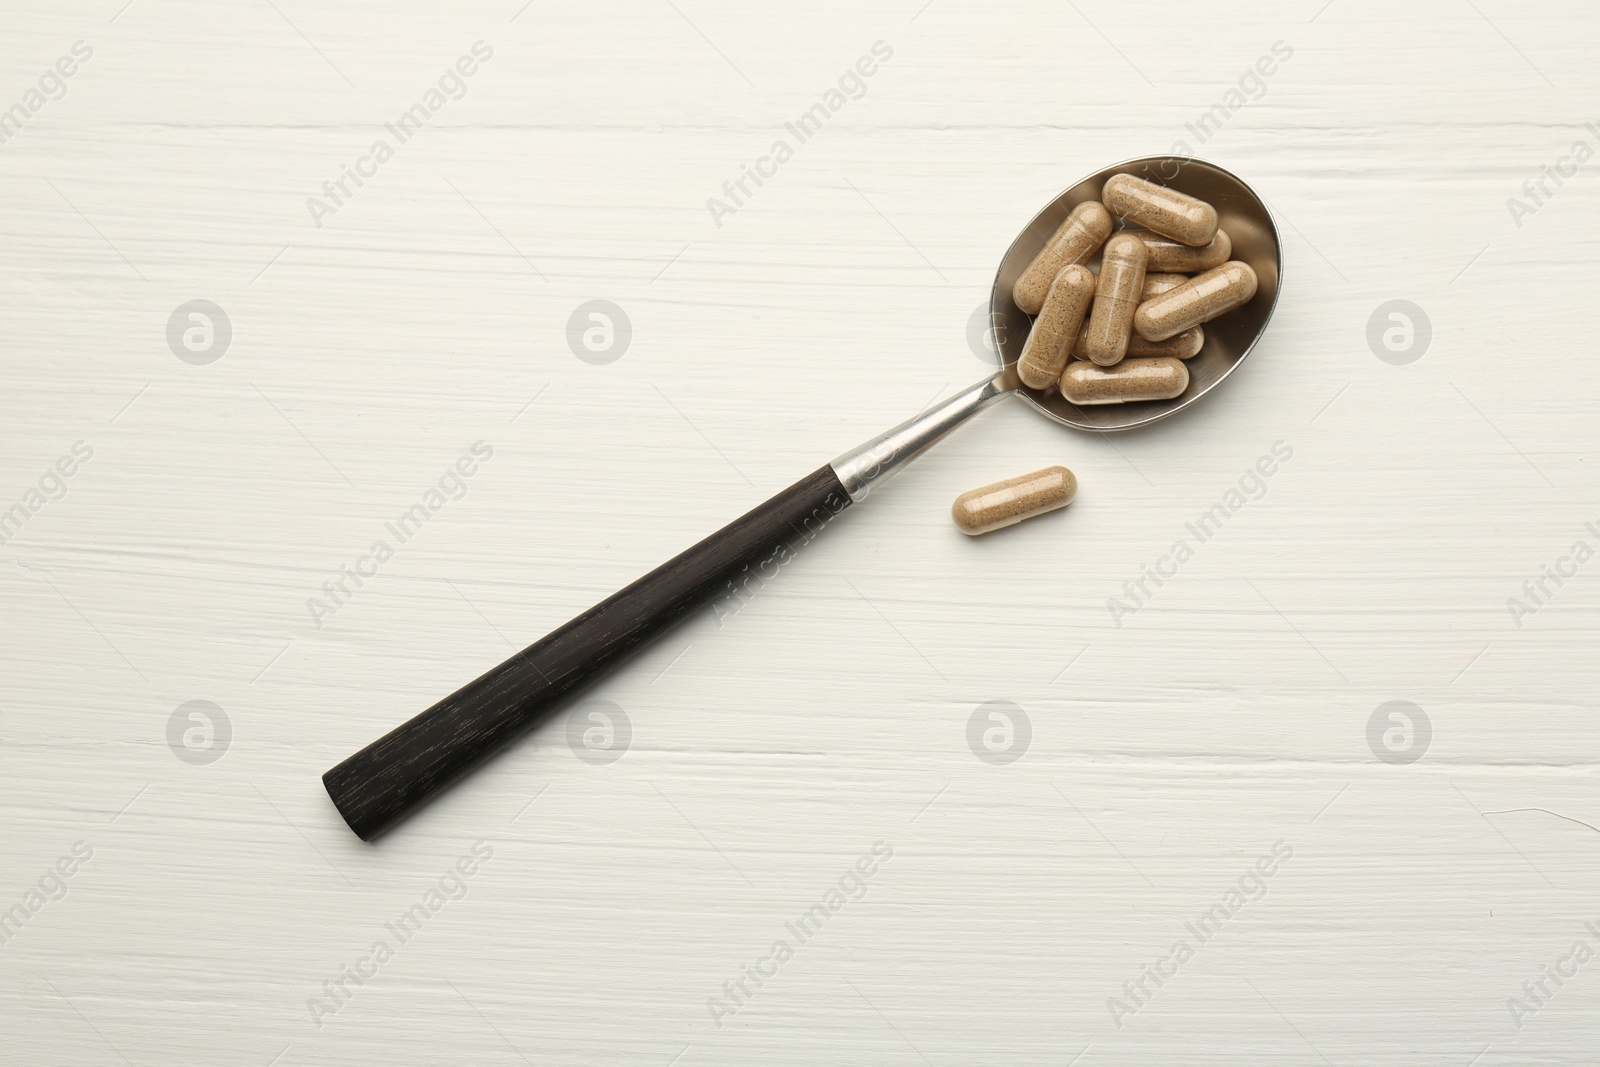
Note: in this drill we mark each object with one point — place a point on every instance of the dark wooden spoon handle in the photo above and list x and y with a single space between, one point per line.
397 773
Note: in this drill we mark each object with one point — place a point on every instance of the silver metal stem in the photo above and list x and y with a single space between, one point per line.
865 466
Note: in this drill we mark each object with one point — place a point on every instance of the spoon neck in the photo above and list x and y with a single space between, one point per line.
865 466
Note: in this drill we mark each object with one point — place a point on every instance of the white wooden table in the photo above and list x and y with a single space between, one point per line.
1045 850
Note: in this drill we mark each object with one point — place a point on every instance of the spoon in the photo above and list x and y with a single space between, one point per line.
397 773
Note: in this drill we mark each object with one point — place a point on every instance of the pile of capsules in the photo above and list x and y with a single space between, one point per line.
1123 335
1118 336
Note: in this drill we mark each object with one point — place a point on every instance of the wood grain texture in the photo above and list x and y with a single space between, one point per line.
1165 756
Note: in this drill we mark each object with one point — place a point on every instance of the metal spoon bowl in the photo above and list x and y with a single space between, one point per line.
1229 339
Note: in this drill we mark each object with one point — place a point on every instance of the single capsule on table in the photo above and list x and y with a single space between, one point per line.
1085 384
1167 254
1116 297
1156 207
1009 502
1198 300
1075 241
1185 345
1045 354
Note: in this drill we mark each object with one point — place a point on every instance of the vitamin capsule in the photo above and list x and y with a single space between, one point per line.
1167 254
1197 300
1185 345
1116 297
1077 240
1009 502
1044 355
1156 207
1156 284
1132 379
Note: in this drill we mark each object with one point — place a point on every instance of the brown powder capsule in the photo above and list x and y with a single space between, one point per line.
1045 353
1156 207
1076 241
1156 284
1132 379
1116 297
1167 254
1009 502
1185 345
1197 300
